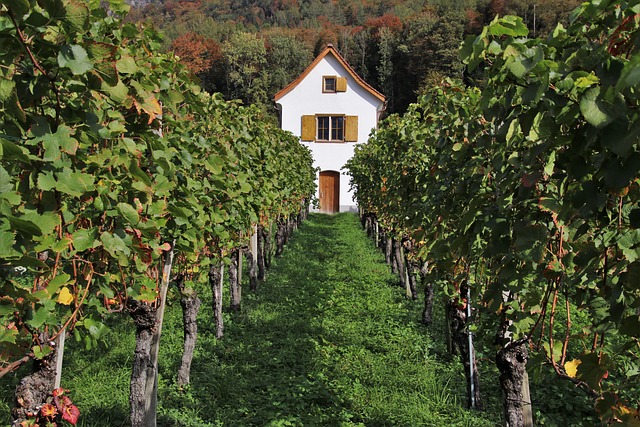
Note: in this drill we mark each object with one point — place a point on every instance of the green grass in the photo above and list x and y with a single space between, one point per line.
328 340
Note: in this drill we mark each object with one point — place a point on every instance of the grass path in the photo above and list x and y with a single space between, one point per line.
328 340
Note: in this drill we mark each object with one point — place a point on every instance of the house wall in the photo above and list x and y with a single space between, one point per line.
307 98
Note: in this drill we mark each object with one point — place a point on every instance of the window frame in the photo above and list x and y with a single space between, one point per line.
331 127
324 84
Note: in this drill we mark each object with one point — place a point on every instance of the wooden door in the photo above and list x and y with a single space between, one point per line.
329 191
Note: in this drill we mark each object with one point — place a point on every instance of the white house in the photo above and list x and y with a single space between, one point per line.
331 108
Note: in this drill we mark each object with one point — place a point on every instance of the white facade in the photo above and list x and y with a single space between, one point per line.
306 96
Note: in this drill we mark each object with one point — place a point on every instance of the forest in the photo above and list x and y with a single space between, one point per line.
248 49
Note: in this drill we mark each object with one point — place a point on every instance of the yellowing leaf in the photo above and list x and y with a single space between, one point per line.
571 367
151 106
65 297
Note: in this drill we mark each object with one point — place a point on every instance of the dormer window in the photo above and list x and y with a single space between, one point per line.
329 84
333 84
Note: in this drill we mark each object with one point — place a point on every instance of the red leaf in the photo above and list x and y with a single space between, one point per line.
528 180
48 410
165 247
71 414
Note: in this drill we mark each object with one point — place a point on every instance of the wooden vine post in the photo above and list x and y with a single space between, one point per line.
151 398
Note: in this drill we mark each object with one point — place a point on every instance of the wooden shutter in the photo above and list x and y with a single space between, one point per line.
341 84
351 129
308 128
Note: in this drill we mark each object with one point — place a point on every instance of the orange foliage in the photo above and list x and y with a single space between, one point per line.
182 7
474 21
387 20
497 7
197 52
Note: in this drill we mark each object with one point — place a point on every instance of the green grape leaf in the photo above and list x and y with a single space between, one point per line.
104 62
46 181
77 15
7 240
7 88
18 7
630 76
129 213
84 239
56 143
119 6
508 26
12 151
95 328
75 183
27 227
593 109
126 65
8 335
39 317
46 221
75 58
114 244
530 241
118 92
633 276
57 282
630 326
592 369
42 352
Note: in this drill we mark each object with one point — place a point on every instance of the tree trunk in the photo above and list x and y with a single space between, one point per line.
448 333
427 313
280 238
388 249
511 361
261 253
290 229
234 284
241 252
461 342
399 261
367 224
267 247
190 306
144 317
411 276
33 390
216 276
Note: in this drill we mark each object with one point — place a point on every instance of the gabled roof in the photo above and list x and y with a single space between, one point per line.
330 50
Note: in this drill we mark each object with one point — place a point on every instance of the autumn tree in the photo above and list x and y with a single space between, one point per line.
197 52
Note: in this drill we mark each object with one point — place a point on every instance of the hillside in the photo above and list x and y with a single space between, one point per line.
250 49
